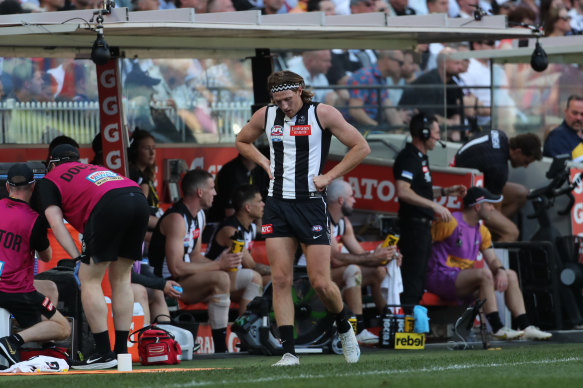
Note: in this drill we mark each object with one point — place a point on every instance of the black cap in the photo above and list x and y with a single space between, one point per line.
477 195
20 174
63 153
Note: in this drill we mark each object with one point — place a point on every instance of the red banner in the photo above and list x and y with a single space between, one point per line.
114 135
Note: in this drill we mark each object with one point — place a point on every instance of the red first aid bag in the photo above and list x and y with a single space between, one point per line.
156 346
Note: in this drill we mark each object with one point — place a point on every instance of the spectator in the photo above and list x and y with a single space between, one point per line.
362 6
326 6
438 6
25 233
400 8
567 137
415 191
576 14
111 212
313 66
295 210
432 99
139 88
200 6
357 268
272 7
557 22
246 282
142 169
479 74
490 153
214 6
234 173
409 69
175 254
145 5
52 5
452 273
364 103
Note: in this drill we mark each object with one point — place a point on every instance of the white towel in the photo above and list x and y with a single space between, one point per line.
392 284
39 364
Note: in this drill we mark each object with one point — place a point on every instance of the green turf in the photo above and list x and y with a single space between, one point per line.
531 366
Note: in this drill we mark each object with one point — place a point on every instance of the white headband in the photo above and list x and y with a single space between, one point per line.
282 87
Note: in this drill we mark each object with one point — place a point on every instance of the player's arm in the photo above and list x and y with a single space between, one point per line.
249 133
174 229
39 240
406 194
54 216
495 265
332 119
357 255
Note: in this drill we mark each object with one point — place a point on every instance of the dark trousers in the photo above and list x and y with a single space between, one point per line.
415 246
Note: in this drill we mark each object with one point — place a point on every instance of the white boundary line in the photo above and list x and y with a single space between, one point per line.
375 372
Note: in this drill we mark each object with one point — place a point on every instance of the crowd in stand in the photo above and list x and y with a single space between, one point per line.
376 94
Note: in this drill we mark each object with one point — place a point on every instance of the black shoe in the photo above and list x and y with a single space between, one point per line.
10 350
97 361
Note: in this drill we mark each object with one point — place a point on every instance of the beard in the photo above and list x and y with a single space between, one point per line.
347 211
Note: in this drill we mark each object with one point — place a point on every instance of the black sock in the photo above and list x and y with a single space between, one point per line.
286 336
102 344
494 320
522 321
121 341
360 324
18 339
342 323
219 338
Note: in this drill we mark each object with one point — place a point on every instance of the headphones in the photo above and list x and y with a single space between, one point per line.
420 126
425 131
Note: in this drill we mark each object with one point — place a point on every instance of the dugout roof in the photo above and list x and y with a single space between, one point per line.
182 33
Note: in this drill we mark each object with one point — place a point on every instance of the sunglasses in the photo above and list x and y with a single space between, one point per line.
565 18
400 62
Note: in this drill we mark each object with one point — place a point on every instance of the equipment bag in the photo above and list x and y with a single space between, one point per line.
156 346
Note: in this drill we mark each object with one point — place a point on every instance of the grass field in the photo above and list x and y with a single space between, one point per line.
526 365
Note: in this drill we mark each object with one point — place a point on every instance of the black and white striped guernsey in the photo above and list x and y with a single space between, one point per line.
298 150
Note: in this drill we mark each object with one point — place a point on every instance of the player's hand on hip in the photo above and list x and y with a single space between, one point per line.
321 181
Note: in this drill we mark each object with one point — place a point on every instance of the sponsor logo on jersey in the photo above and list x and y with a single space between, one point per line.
300 130
101 177
277 133
266 229
317 228
195 233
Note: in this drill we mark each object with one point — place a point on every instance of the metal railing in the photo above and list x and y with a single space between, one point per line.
40 122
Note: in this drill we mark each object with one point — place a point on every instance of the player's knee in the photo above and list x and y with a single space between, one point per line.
322 285
352 276
512 276
282 280
380 274
486 277
65 328
221 282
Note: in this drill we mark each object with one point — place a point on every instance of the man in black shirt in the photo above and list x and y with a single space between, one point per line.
490 152
415 191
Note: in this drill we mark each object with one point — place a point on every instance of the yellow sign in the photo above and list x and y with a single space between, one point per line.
415 341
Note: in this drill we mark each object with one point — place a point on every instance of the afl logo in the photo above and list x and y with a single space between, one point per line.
317 228
277 133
